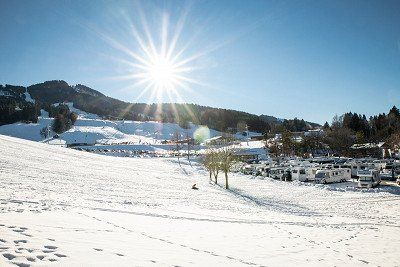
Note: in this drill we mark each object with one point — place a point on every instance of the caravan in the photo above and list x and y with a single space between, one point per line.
276 173
325 176
303 174
368 178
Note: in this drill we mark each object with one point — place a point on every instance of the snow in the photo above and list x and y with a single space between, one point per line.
29 131
67 207
28 97
91 129
4 93
80 113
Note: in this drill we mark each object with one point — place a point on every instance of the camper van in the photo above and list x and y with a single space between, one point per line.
325 176
345 167
368 178
303 174
276 173
359 166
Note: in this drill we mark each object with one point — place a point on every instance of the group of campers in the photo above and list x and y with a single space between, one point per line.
368 172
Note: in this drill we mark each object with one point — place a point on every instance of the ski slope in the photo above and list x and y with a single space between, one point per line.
65 207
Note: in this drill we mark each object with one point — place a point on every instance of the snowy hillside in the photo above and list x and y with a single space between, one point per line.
89 128
66 207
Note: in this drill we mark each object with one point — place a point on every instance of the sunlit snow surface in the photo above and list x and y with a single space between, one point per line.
64 207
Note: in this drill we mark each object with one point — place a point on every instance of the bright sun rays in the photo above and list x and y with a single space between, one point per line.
156 65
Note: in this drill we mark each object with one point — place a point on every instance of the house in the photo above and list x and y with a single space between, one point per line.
376 150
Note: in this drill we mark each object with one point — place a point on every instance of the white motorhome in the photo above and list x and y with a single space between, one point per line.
325 176
359 166
368 178
303 174
347 170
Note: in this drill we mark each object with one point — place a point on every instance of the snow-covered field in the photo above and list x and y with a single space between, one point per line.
64 207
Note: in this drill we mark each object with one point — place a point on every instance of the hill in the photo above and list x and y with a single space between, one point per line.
41 96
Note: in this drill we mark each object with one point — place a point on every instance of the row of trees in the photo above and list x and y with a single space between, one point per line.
12 112
216 160
377 128
344 131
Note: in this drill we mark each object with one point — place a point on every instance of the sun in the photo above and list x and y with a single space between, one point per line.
162 72
158 66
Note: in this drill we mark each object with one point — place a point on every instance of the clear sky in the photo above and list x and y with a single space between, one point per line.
305 59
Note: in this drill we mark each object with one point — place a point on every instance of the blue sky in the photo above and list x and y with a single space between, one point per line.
305 59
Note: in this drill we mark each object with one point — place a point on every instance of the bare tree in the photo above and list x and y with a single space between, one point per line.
226 158
45 132
188 139
208 163
176 138
211 163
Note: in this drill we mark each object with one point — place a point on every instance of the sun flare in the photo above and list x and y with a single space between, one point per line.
162 73
158 65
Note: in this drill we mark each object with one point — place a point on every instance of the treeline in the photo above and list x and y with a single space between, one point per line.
14 107
13 111
378 128
344 132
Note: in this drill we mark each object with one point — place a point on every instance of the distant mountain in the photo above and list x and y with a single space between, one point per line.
13 99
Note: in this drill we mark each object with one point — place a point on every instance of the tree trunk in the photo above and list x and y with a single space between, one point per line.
210 176
226 180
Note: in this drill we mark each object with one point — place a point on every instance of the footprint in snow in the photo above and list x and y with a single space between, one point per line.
40 257
50 247
20 241
9 256
31 259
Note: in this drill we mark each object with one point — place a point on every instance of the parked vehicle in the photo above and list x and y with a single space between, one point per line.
368 178
357 166
287 176
380 164
325 176
276 173
248 169
304 174
389 172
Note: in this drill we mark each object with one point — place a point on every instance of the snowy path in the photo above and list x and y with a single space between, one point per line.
64 207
